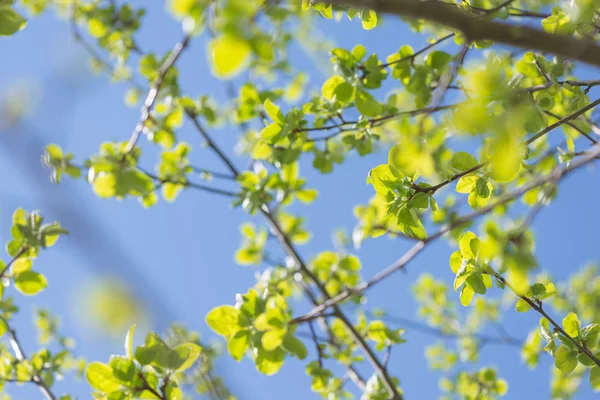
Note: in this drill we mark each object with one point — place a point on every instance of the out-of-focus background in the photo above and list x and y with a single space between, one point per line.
174 262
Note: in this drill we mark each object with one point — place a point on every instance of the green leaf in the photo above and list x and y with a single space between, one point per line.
476 282
366 104
192 353
224 320
469 245
438 60
229 55
330 85
359 51
145 355
463 161
467 183
272 339
455 261
522 306
466 295
565 359
595 377
122 368
173 391
30 283
269 362
420 200
585 360
295 346
10 21
369 19
129 342
571 325
591 334
100 377
306 195
274 112
238 344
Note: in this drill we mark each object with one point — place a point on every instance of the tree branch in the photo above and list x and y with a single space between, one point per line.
20 355
476 28
153 92
292 252
537 306
556 175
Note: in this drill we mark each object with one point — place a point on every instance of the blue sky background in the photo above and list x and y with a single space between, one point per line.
179 257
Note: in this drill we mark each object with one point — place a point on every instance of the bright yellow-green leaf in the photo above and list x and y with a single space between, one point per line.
522 306
571 325
224 320
455 261
129 342
261 151
469 245
328 88
306 195
97 28
274 112
30 283
101 378
269 362
463 161
238 344
366 104
193 352
272 339
105 185
466 295
229 55
369 19
467 183
378 176
21 264
506 157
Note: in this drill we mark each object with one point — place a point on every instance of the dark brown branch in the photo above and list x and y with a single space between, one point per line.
476 28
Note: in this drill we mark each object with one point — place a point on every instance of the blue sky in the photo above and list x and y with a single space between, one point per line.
179 257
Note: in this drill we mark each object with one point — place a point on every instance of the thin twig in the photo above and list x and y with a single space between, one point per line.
537 306
154 90
416 54
434 331
20 355
11 262
555 175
